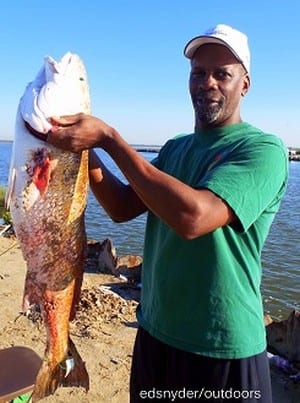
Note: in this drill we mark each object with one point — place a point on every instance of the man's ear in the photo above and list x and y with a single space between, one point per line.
246 85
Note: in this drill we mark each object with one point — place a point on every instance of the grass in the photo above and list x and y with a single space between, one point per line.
4 214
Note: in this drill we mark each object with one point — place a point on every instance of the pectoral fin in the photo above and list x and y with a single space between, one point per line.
10 188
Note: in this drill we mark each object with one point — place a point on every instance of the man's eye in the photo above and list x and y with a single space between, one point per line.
198 74
222 75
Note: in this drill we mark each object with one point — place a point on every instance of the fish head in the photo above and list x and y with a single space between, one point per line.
60 88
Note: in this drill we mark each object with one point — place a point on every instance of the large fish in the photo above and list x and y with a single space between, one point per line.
46 195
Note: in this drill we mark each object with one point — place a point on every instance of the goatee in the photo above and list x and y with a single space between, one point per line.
207 112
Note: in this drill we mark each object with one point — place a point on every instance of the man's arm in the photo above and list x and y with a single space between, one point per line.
189 212
118 199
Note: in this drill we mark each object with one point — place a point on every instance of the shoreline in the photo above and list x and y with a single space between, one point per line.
105 342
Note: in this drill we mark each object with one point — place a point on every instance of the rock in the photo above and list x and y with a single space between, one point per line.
283 337
268 319
128 266
107 258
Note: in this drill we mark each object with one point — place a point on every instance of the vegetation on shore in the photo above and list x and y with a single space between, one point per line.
4 214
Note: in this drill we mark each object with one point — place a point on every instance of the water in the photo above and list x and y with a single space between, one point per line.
126 237
280 258
281 254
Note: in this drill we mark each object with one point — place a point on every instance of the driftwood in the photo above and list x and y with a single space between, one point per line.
283 337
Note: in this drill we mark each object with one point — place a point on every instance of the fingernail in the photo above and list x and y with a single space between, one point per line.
54 128
53 119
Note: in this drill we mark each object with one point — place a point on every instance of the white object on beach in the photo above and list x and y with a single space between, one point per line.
280 362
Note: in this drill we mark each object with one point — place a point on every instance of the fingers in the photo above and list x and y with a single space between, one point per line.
58 137
64 137
62 133
49 139
66 120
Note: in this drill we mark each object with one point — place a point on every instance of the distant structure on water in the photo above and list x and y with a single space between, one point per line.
294 155
146 148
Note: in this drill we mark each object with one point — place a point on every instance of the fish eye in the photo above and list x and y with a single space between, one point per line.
81 79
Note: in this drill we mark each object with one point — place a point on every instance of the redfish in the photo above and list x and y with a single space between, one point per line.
47 194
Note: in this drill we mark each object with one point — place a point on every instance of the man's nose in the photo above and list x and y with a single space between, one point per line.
208 81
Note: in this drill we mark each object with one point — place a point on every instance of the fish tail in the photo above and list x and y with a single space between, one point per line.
78 376
49 379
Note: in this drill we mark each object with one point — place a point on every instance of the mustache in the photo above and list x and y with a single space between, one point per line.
205 97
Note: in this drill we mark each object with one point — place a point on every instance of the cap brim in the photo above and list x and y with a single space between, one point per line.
198 41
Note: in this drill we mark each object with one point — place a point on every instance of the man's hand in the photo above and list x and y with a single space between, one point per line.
78 132
75 132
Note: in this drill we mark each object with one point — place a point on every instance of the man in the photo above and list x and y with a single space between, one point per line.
211 197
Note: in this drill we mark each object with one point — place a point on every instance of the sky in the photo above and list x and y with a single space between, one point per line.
133 54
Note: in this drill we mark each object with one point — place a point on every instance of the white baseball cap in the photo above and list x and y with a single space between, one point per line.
234 40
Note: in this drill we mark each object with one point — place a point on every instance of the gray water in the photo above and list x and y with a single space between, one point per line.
281 254
280 258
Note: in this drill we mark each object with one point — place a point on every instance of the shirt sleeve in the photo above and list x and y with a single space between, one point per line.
251 179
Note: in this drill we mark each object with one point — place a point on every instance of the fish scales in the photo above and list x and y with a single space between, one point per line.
47 195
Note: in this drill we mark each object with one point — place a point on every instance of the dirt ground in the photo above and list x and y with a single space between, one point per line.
103 331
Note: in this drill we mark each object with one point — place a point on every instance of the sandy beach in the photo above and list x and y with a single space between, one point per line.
103 332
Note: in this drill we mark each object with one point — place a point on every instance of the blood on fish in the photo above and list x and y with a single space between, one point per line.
40 169
41 176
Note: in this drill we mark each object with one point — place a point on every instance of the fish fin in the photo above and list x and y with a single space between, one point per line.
10 188
49 379
78 376
81 187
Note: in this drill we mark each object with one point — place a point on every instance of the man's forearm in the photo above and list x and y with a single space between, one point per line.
117 198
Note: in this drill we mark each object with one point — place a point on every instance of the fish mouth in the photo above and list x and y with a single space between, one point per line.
35 133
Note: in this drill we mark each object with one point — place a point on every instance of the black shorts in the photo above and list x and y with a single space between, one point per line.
163 373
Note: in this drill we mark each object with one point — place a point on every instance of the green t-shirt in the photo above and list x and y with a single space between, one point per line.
203 295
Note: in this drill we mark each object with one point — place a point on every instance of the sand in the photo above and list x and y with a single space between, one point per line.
104 332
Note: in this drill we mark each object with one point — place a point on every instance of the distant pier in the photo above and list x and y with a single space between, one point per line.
146 148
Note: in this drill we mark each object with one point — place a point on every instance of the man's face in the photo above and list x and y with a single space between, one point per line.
217 83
